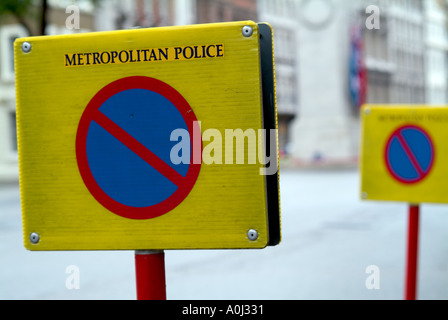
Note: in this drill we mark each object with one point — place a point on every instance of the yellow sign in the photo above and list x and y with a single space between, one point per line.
160 138
404 154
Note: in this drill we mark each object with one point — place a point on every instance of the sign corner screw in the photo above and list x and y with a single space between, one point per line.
26 47
34 238
247 31
252 234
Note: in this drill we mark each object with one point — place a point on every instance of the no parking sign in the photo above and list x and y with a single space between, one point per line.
409 154
139 181
404 154
112 128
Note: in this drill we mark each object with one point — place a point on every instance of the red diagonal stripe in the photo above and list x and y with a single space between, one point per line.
410 154
138 148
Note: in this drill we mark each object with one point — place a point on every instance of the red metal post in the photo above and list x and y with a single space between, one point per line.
412 253
150 275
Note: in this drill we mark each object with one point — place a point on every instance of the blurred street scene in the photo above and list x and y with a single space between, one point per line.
333 247
331 57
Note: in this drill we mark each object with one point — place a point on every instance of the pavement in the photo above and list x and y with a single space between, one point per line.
331 242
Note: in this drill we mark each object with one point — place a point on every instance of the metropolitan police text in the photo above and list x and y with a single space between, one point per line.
145 55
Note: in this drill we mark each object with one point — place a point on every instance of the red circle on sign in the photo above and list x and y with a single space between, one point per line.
91 113
421 170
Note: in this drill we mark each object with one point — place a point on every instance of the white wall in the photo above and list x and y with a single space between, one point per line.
185 12
8 152
436 54
325 127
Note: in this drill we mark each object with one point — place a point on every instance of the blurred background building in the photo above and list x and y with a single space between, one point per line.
282 15
436 41
20 19
329 60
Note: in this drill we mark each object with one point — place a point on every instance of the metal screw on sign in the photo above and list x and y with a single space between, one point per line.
247 31
252 234
34 238
26 47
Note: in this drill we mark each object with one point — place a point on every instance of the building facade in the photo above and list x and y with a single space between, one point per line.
407 51
394 54
126 14
436 37
10 30
282 15
327 126
208 11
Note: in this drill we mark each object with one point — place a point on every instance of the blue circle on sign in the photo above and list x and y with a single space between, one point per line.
117 169
124 147
410 154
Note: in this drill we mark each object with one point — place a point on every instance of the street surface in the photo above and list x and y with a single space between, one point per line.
330 238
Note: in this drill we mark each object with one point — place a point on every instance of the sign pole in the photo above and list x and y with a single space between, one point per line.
150 275
412 252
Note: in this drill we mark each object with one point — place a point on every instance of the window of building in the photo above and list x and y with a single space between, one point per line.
13 130
84 5
8 34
